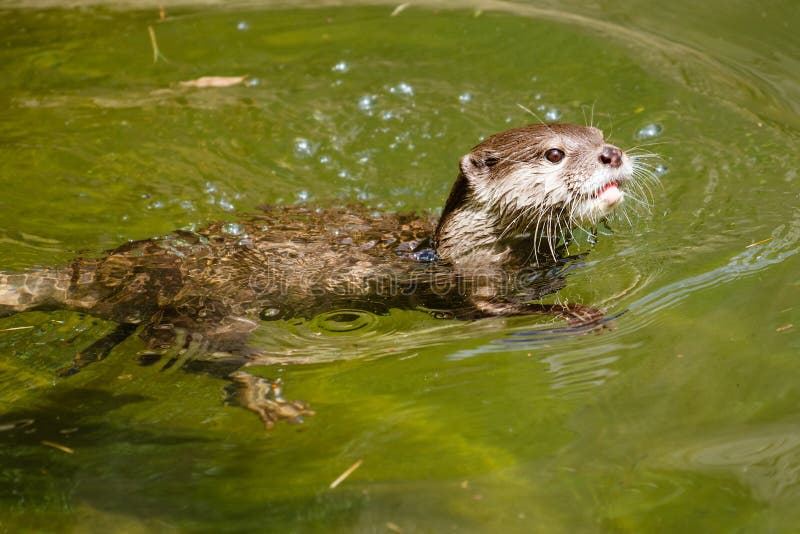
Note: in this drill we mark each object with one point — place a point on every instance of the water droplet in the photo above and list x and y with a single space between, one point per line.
552 114
649 131
342 66
232 229
324 159
465 97
387 115
224 204
344 173
242 26
402 88
660 170
252 82
303 196
157 205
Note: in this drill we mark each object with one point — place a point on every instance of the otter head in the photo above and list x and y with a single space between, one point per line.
539 181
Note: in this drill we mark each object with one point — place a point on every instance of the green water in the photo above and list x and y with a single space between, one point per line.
684 417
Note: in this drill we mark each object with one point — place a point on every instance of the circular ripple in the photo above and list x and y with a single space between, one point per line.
345 321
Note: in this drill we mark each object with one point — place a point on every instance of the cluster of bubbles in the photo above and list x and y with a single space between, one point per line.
213 197
353 138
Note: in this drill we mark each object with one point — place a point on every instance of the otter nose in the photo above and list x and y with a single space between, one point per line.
611 155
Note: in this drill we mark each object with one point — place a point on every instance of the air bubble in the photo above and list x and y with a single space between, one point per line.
242 26
649 131
342 66
465 97
552 114
232 229
303 148
402 88
366 102
303 196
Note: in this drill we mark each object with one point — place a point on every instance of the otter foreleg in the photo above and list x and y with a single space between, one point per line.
98 350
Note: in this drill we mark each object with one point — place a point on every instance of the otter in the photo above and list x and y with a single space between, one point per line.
496 250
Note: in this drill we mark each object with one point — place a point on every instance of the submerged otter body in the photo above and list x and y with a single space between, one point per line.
492 252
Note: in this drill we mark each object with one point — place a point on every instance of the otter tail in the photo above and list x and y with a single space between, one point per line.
35 289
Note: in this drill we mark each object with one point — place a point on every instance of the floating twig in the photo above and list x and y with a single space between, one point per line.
399 9
767 240
154 43
62 448
16 328
347 473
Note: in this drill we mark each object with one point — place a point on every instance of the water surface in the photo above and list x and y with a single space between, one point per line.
683 416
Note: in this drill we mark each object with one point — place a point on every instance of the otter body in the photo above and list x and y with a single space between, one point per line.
492 252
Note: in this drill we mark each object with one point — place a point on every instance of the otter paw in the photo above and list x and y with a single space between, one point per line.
264 397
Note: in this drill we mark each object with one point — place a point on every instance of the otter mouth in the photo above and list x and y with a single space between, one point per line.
609 194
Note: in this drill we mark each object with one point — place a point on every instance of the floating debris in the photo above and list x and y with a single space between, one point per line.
767 240
784 328
347 473
16 328
62 448
154 44
214 81
399 9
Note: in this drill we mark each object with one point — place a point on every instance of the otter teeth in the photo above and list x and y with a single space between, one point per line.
610 194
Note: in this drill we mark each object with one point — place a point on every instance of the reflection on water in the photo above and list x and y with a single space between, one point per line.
765 458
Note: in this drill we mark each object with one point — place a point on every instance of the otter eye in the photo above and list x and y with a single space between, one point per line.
490 161
554 155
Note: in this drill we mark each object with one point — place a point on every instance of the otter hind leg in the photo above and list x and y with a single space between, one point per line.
221 349
264 397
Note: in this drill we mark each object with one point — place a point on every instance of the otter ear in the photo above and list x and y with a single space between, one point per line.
475 164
